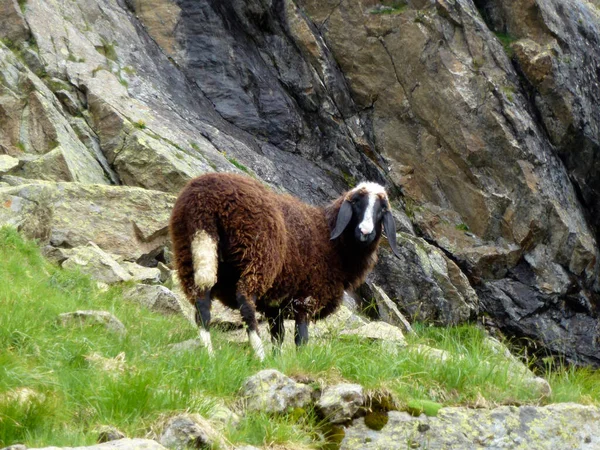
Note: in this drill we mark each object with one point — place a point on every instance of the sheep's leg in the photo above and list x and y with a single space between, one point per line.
301 327
203 320
276 327
248 311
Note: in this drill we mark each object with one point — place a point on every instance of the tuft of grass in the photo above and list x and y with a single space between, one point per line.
140 124
238 164
72 395
107 49
390 7
462 227
506 40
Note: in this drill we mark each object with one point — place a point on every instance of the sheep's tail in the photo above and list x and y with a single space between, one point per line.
205 259
195 248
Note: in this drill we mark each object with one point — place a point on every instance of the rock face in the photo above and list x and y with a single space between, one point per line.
489 142
555 426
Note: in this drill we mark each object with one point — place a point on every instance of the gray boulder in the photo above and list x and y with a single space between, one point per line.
190 431
96 263
155 297
559 426
271 391
339 403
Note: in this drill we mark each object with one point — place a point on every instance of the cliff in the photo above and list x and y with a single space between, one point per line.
480 116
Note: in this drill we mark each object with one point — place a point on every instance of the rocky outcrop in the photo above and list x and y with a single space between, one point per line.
491 149
125 221
554 426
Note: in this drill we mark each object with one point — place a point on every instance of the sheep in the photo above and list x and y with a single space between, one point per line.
255 250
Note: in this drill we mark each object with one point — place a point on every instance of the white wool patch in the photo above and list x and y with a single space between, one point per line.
205 338
371 188
367 225
205 259
256 344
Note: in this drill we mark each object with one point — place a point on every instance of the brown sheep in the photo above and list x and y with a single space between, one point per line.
253 249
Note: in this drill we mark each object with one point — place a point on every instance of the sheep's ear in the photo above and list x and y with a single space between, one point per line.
389 226
343 219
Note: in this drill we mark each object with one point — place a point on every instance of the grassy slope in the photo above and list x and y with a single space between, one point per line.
77 396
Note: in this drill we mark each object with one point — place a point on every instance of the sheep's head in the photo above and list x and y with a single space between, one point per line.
363 213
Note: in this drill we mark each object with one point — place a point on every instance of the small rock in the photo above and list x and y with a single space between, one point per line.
116 364
98 264
389 312
339 403
141 273
15 447
55 254
165 273
378 330
225 416
186 346
155 297
271 391
7 163
434 353
190 431
104 318
107 433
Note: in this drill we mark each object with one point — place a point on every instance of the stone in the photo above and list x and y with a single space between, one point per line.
562 425
107 433
339 403
149 275
116 364
221 414
378 331
15 447
7 163
122 220
389 312
272 392
341 320
186 346
154 297
96 263
190 430
93 318
12 22
119 444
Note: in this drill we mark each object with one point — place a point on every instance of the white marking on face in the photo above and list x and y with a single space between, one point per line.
205 259
367 225
256 344
205 338
373 190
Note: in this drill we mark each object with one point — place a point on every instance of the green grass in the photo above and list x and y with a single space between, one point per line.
390 7
72 396
506 40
